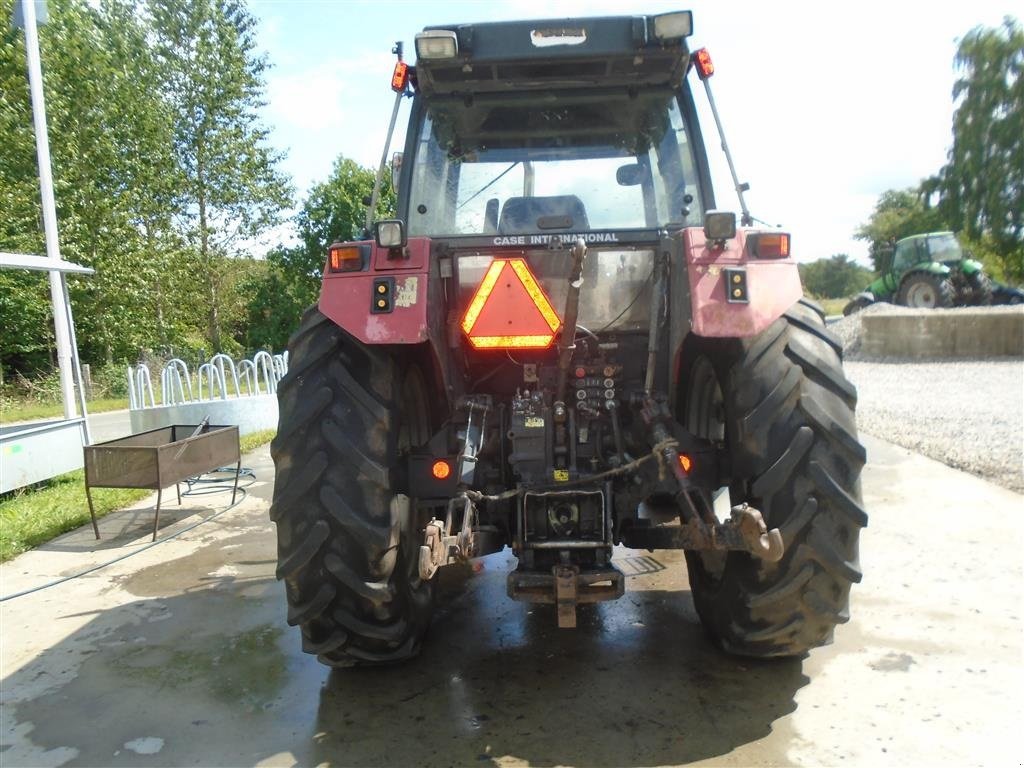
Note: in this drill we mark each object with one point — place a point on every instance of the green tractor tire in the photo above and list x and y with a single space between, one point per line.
926 290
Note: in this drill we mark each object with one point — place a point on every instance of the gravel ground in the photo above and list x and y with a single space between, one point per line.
968 414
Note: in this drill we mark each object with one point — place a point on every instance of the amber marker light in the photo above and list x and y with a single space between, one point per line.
770 245
685 462
345 258
702 61
400 78
441 469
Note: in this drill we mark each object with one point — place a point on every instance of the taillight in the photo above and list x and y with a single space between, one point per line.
510 310
345 258
441 469
769 245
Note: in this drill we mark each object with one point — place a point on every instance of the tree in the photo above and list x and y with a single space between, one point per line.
898 213
981 188
835 277
232 192
332 212
109 140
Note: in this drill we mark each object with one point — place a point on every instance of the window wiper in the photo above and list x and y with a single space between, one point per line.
487 186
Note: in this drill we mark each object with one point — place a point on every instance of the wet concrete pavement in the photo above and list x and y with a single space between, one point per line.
179 655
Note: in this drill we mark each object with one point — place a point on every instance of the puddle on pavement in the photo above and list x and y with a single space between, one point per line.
252 559
221 679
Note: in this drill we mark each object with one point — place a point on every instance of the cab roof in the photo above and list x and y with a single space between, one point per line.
555 53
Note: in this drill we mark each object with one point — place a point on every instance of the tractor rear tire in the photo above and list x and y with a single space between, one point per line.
347 538
923 290
785 411
981 289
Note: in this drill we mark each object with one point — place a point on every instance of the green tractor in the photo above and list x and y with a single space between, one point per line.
927 271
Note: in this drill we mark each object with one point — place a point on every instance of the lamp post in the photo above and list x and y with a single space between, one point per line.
57 289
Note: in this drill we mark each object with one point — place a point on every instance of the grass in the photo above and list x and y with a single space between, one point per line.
35 515
254 440
32 516
30 410
16 408
833 306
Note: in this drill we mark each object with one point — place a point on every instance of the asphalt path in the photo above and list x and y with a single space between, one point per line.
180 654
109 425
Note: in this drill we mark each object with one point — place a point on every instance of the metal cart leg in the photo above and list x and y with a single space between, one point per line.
156 519
92 512
238 470
177 489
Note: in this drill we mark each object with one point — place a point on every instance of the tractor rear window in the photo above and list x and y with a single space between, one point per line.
616 289
536 164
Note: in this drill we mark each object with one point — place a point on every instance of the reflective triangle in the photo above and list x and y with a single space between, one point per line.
510 309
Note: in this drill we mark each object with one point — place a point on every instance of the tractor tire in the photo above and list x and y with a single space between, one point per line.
981 289
923 290
785 412
346 536
857 303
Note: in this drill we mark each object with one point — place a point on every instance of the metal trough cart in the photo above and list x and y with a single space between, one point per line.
159 458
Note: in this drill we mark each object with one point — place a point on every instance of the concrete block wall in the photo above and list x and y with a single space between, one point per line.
935 333
251 414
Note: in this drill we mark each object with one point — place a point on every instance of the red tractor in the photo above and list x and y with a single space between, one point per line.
560 346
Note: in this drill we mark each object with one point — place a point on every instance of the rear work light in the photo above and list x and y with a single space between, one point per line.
769 245
510 310
437 44
672 26
345 258
702 61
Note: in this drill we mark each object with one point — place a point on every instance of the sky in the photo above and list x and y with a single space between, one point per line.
825 105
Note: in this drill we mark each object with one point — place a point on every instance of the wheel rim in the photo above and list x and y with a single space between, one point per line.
414 419
705 418
413 432
921 295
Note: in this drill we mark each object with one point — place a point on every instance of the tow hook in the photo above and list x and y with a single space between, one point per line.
744 531
440 547
754 533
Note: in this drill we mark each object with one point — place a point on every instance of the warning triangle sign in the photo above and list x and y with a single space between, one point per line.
510 310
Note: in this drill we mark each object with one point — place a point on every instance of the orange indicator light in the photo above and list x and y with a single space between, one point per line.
400 77
771 245
685 462
344 258
441 469
702 61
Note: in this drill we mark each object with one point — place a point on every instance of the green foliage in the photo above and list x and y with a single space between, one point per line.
981 188
162 175
899 213
332 212
278 298
32 516
834 278
231 191
25 318
988 252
